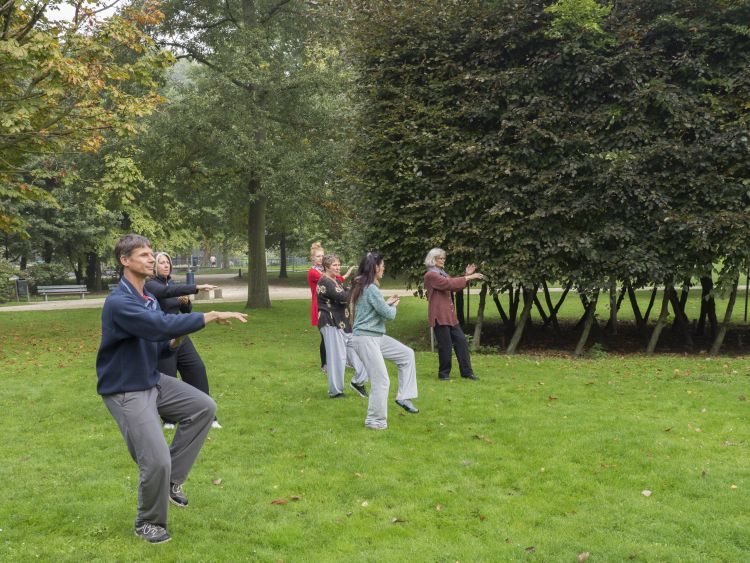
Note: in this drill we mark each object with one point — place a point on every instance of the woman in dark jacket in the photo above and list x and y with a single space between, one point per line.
173 300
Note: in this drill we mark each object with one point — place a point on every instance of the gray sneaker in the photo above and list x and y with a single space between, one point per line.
407 405
152 533
177 495
360 389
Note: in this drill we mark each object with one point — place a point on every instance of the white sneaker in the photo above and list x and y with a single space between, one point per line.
168 426
215 424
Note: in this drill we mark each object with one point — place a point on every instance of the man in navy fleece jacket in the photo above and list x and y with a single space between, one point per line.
135 333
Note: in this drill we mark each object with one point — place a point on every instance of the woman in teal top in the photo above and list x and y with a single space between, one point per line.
373 346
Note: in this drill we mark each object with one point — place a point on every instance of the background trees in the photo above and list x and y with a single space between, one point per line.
558 141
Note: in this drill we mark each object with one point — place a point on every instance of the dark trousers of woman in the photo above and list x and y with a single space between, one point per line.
452 337
190 365
322 352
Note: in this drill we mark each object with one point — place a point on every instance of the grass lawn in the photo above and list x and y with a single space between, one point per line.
542 460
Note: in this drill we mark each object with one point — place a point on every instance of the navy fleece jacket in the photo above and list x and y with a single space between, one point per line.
133 339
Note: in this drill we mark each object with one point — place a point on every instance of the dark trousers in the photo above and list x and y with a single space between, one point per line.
452 337
187 361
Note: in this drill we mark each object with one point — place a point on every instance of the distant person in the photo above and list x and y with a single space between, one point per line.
313 276
336 330
173 300
212 261
373 346
441 314
135 334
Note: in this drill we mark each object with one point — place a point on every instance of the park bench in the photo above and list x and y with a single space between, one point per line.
47 290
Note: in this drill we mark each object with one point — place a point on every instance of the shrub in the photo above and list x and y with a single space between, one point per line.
47 274
7 287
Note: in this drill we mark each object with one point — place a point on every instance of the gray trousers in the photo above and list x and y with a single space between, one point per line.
138 414
339 353
373 351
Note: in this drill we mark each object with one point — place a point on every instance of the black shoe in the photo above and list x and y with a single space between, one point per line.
177 495
152 533
360 389
407 405
470 376
444 377
337 396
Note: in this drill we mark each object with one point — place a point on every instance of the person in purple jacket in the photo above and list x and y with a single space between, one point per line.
135 334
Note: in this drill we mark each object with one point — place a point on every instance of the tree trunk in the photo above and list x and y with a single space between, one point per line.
539 308
93 272
590 319
661 321
282 257
708 308
719 340
613 309
552 319
459 306
639 322
680 318
650 305
477 341
528 302
257 276
503 316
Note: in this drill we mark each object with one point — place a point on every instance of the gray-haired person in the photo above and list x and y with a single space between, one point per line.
135 334
441 314
336 329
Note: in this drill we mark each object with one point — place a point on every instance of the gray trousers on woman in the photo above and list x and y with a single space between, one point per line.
339 353
138 414
373 351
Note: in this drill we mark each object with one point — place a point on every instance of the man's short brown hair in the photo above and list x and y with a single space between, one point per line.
127 244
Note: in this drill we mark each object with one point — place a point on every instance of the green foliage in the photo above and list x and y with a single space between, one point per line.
573 18
570 158
47 274
7 287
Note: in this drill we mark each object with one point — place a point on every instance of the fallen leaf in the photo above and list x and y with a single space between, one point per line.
646 493
668 429
358 474
508 540
295 497
397 520
583 556
483 438
438 507
365 503
742 398
279 501
733 487
348 514
530 549
552 398
216 481
466 462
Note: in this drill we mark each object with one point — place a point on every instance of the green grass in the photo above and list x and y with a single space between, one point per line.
544 453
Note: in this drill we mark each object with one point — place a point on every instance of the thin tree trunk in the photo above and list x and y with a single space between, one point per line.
708 308
257 275
639 323
539 308
661 321
650 305
477 340
503 316
680 318
552 319
282 257
590 318
459 307
613 309
528 302
719 340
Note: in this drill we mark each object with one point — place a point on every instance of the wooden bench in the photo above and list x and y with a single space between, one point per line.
47 290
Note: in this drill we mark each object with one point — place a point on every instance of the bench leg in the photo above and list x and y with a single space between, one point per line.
45 297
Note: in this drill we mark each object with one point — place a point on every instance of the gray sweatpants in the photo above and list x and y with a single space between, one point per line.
373 351
339 353
138 414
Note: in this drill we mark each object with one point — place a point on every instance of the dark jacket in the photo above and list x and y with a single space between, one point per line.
168 293
133 339
333 300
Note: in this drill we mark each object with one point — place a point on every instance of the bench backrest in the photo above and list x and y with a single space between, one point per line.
58 288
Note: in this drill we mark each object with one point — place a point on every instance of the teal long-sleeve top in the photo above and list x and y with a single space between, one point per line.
371 312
